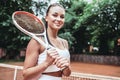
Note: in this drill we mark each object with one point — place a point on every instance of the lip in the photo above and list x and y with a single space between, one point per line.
57 24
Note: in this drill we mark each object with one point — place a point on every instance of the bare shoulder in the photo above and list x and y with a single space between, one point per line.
33 44
32 53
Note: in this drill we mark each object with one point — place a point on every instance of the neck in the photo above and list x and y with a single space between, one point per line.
52 34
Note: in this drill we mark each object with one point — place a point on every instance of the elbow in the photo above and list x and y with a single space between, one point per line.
29 76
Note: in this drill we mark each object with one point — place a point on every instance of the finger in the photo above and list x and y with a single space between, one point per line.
65 65
52 48
60 62
57 58
54 54
51 51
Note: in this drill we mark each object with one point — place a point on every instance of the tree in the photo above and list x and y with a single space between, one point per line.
74 9
99 22
104 24
10 37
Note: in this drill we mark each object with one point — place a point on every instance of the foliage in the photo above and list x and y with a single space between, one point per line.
97 22
39 7
104 23
74 10
12 38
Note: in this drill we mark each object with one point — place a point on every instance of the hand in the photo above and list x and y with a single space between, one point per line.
61 62
52 54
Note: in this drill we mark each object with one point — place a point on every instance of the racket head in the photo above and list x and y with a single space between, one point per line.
28 23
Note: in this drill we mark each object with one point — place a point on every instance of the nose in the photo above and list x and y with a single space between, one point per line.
58 18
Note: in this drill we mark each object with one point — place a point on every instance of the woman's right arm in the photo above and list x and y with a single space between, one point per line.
31 70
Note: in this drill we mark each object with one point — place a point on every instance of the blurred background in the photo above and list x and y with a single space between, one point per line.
92 28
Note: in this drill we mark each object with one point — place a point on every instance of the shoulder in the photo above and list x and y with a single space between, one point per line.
33 45
65 42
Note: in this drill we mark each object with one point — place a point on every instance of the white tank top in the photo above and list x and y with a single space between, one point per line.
53 68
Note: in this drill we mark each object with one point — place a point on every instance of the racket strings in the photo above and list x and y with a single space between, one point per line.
27 22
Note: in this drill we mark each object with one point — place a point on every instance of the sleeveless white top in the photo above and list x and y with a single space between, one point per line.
53 68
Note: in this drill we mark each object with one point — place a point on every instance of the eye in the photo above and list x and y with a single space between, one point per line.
62 16
55 15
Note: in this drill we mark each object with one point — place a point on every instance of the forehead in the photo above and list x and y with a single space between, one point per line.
57 9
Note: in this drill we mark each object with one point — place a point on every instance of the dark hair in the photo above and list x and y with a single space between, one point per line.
53 5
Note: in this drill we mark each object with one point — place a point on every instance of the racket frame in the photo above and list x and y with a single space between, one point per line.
34 36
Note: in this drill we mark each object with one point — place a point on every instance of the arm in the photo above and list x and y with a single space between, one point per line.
31 69
64 63
67 69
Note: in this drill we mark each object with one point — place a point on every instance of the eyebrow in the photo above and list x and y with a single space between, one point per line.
57 13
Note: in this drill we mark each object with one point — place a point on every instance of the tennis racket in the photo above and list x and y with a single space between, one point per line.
31 25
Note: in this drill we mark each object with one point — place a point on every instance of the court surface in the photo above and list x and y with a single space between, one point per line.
98 69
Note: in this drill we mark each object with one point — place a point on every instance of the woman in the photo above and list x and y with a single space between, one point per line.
51 64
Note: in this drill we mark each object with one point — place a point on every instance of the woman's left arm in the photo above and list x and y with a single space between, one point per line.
67 69
64 62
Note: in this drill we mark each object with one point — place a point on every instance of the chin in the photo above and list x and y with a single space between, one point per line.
58 27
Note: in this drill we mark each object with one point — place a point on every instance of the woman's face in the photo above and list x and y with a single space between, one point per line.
55 17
